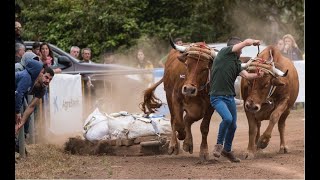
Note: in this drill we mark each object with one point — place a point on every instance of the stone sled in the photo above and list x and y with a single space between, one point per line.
140 146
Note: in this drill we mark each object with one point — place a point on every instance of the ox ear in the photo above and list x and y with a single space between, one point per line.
183 57
277 82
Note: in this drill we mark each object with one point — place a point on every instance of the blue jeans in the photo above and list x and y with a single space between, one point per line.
227 109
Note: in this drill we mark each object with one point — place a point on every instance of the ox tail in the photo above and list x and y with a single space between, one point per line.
150 101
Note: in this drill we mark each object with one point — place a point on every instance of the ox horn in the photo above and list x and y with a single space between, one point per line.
213 53
247 64
177 47
278 71
271 57
275 70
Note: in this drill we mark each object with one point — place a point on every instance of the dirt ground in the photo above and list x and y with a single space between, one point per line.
49 161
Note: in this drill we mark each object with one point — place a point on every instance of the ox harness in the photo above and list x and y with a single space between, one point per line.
257 70
200 52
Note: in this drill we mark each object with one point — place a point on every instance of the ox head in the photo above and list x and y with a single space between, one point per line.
198 58
261 89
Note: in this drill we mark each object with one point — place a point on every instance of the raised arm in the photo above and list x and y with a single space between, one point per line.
247 42
247 75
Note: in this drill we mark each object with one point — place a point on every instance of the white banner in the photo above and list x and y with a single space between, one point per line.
160 93
300 66
65 104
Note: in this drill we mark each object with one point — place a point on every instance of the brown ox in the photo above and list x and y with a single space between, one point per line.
263 102
186 78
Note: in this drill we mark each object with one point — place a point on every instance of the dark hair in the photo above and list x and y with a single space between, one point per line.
35 45
50 50
49 70
233 40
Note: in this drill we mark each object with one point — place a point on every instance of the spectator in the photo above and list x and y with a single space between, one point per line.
24 80
291 49
18 32
280 44
163 60
75 51
142 62
89 89
109 58
36 48
46 56
22 64
86 55
38 92
20 50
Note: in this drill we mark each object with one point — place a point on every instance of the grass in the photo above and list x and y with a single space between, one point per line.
50 161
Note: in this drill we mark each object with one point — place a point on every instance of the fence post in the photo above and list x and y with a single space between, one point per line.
22 143
21 137
31 123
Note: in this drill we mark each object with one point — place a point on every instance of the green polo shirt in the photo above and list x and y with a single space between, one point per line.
224 71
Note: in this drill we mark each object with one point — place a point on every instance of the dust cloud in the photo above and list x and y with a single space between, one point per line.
114 94
118 93
153 48
249 25
44 135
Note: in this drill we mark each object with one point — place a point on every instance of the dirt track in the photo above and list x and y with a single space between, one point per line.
268 164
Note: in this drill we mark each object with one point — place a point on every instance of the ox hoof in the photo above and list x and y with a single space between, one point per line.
249 155
284 150
174 149
204 157
259 150
188 147
262 143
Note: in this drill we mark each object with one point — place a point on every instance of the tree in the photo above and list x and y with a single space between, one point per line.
117 24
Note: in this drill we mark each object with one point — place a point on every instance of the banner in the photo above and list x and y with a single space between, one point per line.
300 66
65 104
159 92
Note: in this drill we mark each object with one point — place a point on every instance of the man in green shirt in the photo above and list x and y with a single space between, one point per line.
224 71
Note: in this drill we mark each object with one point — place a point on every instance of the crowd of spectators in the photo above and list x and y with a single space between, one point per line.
289 48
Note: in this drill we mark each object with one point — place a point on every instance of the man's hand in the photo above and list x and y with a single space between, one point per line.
17 128
256 42
57 70
286 48
89 84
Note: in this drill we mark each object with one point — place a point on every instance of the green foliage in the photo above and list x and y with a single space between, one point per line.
121 25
